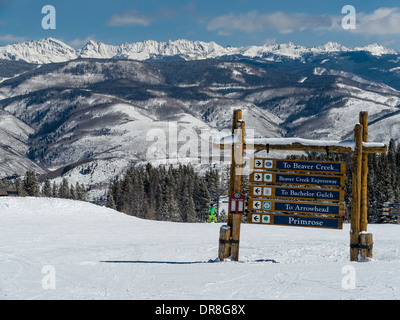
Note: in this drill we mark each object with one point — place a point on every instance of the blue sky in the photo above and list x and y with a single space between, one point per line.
233 22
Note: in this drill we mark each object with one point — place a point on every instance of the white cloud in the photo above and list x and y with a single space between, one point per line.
130 18
254 21
9 38
383 21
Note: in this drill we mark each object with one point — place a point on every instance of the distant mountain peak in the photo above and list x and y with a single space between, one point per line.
41 51
50 50
333 46
376 49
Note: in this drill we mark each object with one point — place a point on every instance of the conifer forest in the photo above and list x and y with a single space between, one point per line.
181 194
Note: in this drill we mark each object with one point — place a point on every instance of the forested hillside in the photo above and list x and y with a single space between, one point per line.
182 194
166 193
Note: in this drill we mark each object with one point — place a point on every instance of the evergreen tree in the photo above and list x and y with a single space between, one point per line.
213 184
150 181
54 190
80 192
19 187
201 198
46 191
110 198
163 193
161 203
125 198
117 194
372 205
172 208
31 184
64 189
72 192
189 208
385 189
140 202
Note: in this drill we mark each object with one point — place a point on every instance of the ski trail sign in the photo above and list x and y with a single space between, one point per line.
284 173
295 207
295 220
281 178
299 165
296 193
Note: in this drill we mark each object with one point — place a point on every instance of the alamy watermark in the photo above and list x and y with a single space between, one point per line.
173 145
49 280
349 21
349 280
49 20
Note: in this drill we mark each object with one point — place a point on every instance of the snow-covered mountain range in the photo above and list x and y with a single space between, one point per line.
89 114
51 50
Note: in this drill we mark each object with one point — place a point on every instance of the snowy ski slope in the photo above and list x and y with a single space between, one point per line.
64 249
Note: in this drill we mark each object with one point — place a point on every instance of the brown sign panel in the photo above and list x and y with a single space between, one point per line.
296 193
295 220
283 178
298 165
264 205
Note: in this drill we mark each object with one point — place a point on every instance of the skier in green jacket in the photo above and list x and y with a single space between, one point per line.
212 215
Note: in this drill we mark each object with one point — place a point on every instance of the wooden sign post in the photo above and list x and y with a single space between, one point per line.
366 239
356 195
230 234
364 174
360 241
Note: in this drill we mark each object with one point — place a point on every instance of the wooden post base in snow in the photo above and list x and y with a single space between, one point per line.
366 245
224 242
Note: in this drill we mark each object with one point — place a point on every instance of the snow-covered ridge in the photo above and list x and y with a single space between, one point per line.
42 51
51 50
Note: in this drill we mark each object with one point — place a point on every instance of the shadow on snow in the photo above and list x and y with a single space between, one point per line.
182 262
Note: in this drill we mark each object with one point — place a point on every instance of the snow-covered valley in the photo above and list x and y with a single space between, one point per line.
104 108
